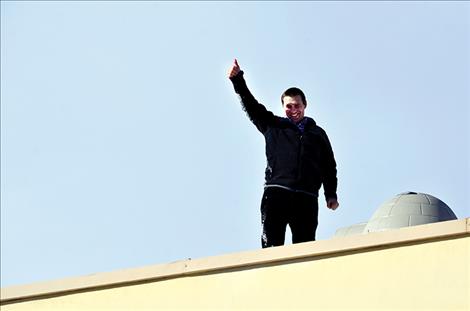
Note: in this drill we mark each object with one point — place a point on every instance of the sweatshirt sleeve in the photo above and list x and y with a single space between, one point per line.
258 114
330 181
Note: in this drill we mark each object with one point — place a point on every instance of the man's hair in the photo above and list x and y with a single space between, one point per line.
294 91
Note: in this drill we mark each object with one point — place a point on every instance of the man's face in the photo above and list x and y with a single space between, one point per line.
294 108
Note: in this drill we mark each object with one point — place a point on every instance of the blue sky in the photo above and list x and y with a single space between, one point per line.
123 143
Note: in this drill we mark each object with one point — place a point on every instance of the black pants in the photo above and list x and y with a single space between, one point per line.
280 207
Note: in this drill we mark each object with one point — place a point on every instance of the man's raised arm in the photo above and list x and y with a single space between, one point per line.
256 112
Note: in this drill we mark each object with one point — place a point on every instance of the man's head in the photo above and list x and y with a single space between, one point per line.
294 103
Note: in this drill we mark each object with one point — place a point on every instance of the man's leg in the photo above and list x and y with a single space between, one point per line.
274 216
303 220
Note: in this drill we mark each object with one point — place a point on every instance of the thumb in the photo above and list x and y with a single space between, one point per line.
236 62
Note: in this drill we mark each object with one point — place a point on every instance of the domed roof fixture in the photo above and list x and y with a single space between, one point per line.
409 209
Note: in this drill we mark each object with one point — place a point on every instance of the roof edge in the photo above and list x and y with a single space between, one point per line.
332 247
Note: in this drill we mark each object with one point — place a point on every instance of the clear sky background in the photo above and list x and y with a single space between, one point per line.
124 145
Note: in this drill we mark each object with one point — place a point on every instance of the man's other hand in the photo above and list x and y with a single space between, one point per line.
234 70
332 204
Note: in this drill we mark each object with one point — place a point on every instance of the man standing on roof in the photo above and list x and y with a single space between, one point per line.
299 161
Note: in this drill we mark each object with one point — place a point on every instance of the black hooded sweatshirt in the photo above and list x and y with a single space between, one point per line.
296 160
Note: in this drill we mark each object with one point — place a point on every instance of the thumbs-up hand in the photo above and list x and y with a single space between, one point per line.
234 69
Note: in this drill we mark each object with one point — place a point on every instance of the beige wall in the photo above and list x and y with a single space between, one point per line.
414 271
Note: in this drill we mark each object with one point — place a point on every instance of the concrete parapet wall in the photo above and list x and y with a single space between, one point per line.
423 267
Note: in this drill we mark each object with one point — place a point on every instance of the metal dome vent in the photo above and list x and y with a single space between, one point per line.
409 209
404 210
